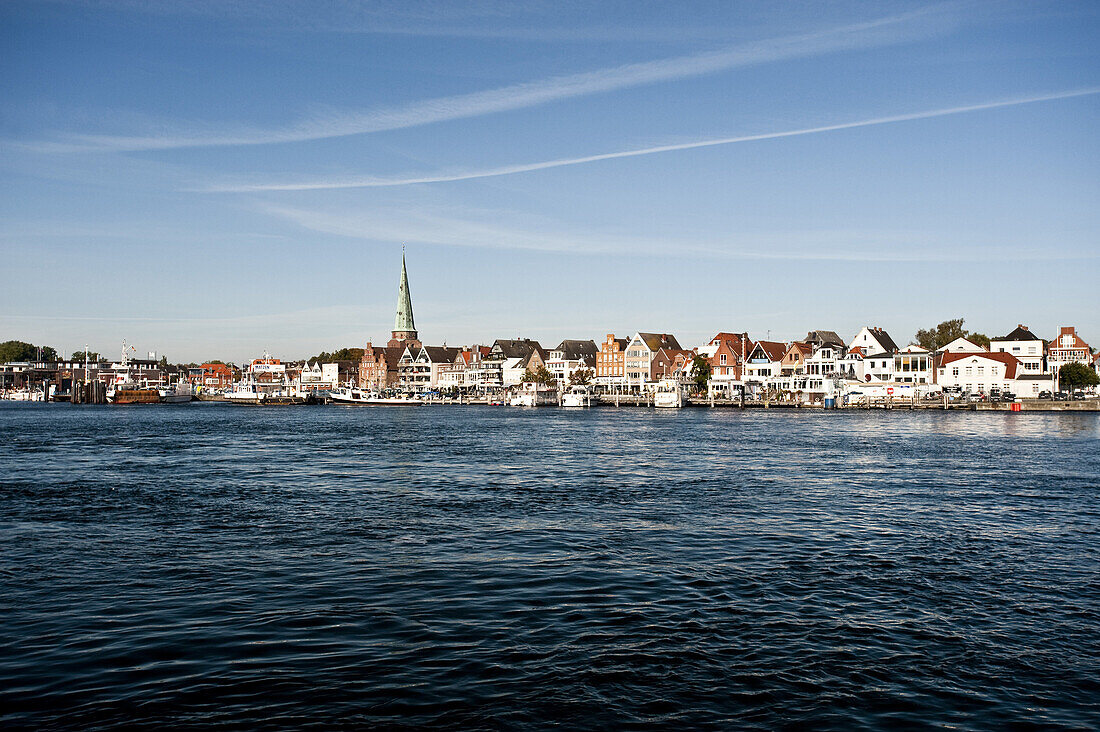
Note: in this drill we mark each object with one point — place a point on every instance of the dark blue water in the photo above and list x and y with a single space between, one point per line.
504 568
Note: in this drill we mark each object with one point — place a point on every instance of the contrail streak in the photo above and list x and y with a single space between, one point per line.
443 177
874 33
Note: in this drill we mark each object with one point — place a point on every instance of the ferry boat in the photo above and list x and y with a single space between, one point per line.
535 395
264 382
579 396
668 395
351 395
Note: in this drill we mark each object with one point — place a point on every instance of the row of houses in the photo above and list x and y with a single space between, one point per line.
1019 361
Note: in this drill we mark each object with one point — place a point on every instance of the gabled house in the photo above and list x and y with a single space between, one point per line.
418 369
828 351
819 338
726 354
1068 347
1029 348
961 345
569 357
505 362
874 341
765 360
794 358
638 362
668 363
978 372
611 360
459 372
378 366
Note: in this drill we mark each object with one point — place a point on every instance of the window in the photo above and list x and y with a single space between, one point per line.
722 359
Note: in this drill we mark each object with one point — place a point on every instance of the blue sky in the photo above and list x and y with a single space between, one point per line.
216 179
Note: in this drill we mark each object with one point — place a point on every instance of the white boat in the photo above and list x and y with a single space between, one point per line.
179 395
263 382
535 395
351 395
668 395
579 396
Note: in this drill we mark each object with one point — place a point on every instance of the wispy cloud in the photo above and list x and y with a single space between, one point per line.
879 32
508 231
450 176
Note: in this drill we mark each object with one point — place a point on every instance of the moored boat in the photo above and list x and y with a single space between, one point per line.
579 396
181 394
668 395
535 395
264 383
351 395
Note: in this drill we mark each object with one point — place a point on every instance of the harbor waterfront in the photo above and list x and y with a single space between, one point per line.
489 568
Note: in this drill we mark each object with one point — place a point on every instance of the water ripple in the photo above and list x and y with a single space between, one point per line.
492 568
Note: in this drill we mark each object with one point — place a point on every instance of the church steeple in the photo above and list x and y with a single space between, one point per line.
404 328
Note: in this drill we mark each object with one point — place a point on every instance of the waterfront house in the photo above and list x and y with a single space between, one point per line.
874 341
794 358
765 360
828 352
669 363
726 354
211 376
639 356
1068 347
611 361
378 366
913 365
569 357
978 372
1029 348
851 365
506 361
418 369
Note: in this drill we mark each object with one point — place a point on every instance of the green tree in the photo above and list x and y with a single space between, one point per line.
342 354
947 331
978 339
700 372
22 351
93 356
1077 376
16 351
941 335
539 376
581 377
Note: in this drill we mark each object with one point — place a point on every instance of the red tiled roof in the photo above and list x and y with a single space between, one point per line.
1010 361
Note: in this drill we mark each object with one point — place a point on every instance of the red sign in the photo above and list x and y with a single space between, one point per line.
889 390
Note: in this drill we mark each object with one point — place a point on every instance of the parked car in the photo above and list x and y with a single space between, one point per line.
1061 396
1007 396
1045 395
1078 396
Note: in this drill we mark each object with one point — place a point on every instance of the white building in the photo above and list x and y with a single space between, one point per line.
961 345
1027 347
765 360
569 357
913 365
978 372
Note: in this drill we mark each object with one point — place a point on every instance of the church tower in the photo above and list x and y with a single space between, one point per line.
404 329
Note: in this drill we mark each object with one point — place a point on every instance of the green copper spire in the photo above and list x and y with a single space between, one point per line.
404 321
